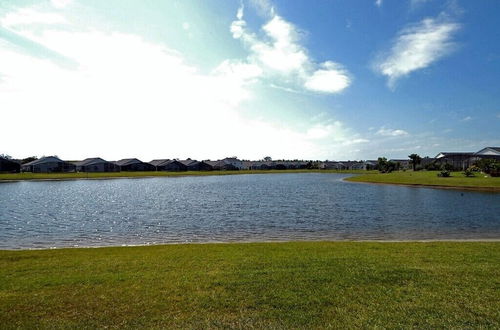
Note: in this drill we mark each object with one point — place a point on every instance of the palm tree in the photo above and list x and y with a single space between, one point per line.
415 160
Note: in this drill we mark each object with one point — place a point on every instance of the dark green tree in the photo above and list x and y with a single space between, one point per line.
415 160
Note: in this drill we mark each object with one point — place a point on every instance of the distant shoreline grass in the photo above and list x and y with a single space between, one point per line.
254 285
457 180
146 174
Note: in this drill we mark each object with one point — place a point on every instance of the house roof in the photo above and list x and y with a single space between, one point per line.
49 159
188 162
489 151
90 161
158 162
128 161
451 154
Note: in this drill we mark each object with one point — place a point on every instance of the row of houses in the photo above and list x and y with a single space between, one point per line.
463 160
459 160
54 164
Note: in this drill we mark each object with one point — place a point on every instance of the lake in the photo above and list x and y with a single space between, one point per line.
257 207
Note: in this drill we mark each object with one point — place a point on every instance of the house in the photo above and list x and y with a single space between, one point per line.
48 165
227 164
170 165
370 164
402 163
488 153
133 165
96 165
459 160
258 165
233 162
331 165
194 165
9 166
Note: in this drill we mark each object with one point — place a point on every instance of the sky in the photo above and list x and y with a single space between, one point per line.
322 80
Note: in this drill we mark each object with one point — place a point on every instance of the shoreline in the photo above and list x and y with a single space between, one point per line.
175 175
251 172
424 185
266 242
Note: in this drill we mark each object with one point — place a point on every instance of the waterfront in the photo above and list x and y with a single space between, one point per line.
270 207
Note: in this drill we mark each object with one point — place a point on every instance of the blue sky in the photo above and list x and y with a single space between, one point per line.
287 79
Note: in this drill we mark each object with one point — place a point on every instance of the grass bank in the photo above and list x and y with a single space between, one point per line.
430 178
258 285
111 175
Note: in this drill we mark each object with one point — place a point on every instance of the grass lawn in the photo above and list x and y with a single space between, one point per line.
258 285
457 179
104 175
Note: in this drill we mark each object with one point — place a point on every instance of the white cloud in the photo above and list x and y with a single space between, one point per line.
281 53
29 16
330 79
416 3
417 47
468 118
378 3
128 97
391 132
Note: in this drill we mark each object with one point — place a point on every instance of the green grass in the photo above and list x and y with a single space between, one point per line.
109 175
458 179
258 285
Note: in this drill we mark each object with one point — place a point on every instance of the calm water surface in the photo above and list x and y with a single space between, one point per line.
267 207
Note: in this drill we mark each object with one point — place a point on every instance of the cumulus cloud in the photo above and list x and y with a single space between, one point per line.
279 52
331 78
391 132
417 47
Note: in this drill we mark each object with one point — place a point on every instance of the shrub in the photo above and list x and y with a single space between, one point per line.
444 174
431 167
447 167
469 172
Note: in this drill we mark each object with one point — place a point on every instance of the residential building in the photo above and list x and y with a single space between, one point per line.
96 165
48 165
9 166
134 165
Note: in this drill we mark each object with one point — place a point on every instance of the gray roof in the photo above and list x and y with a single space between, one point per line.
90 161
188 162
49 159
128 161
158 162
449 154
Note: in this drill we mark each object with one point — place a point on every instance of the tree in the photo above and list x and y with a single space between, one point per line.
382 164
29 159
5 156
415 160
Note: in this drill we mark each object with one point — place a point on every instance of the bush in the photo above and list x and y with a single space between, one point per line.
431 167
447 167
444 174
469 172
